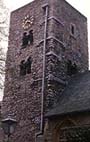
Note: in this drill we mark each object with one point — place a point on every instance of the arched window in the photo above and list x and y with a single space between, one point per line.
25 66
22 68
72 29
30 37
27 39
28 65
24 40
71 68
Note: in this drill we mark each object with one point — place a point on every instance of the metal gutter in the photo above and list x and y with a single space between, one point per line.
45 8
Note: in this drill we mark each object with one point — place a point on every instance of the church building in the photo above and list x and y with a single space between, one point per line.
47 82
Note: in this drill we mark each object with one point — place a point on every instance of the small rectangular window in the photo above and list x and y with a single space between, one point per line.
72 29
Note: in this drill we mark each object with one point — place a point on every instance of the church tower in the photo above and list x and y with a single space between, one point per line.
47 45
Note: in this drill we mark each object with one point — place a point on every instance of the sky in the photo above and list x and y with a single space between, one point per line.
82 5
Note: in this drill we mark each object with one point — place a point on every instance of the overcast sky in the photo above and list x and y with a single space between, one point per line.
82 5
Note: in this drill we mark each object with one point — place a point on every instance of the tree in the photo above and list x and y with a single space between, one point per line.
3 40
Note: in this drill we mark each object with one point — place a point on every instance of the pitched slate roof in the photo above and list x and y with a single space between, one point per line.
75 98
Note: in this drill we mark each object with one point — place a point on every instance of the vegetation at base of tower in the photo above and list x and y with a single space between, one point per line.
3 40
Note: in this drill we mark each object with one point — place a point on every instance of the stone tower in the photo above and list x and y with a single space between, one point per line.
47 45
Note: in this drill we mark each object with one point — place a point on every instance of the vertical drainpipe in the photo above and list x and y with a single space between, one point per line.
45 8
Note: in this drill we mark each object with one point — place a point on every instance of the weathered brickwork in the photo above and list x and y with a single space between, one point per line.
64 46
22 94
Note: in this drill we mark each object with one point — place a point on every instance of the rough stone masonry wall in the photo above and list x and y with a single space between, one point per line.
22 94
75 49
64 46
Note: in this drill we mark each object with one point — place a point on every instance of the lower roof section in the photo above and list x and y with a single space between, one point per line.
75 98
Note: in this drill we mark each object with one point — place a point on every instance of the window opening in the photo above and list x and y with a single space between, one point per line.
22 68
25 67
24 40
28 65
30 37
72 29
71 68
